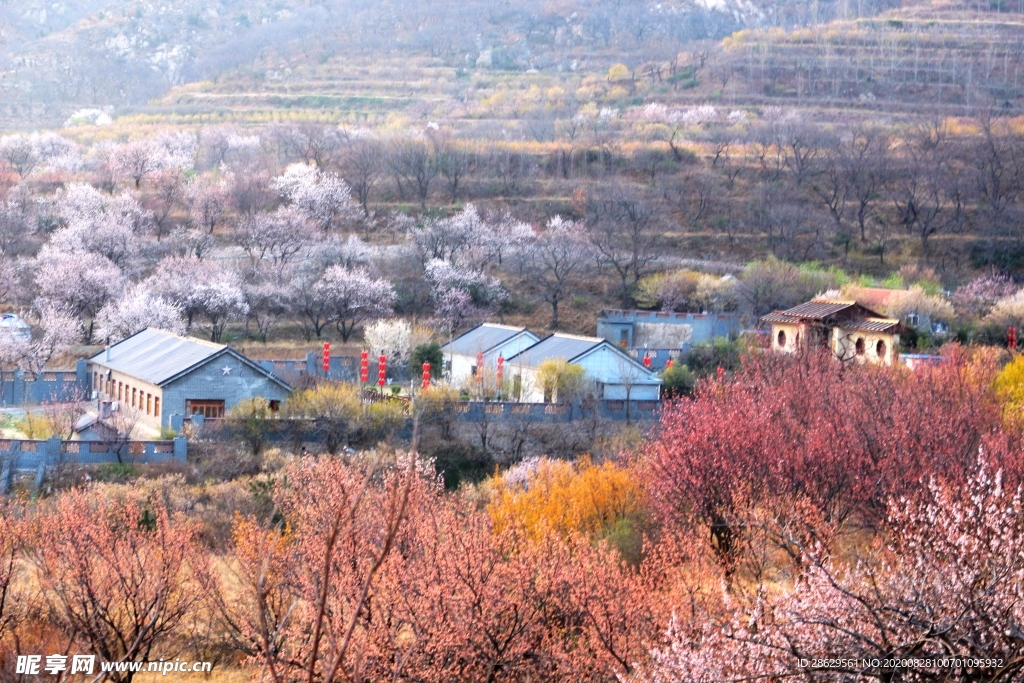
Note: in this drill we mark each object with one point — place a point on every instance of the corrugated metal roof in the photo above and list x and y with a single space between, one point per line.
566 346
155 356
482 338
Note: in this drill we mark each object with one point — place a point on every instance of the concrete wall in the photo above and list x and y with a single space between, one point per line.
652 328
616 374
478 411
29 454
209 382
791 333
51 386
844 343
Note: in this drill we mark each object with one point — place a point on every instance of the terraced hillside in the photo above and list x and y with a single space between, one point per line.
922 59
118 54
917 59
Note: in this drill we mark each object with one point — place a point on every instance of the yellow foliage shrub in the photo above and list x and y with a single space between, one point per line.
618 72
565 498
1009 388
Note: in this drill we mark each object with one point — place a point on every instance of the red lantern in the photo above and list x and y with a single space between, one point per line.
327 356
426 375
479 367
1011 337
647 362
668 363
364 366
501 368
382 370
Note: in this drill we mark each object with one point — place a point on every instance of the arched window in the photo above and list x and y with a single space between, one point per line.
860 346
880 349
782 338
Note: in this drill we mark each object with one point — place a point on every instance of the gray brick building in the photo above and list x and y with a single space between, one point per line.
160 374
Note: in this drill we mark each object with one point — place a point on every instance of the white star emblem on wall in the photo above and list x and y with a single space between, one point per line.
226 370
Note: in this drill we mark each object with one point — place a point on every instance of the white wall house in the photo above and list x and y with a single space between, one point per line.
614 374
853 332
489 339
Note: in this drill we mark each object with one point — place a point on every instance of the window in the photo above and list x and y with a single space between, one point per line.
149 404
880 349
274 406
860 346
120 388
624 336
133 396
208 408
781 338
156 406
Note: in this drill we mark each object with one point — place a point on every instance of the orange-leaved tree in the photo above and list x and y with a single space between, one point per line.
540 496
302 602
119 577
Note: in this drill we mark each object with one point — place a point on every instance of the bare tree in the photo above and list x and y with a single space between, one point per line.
362 166
314 143
556 262
168 191
625 232
918 189
122 423
456 162
416 163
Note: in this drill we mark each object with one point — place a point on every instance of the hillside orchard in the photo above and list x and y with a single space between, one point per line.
793 511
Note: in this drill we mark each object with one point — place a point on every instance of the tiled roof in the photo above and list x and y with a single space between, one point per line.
818 309
873 297
872 324
779 317
821 310
482 338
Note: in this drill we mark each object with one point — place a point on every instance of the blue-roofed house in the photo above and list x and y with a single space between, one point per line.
461 355
614 373
160 374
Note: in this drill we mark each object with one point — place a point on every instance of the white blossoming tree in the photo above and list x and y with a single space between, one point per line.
322 197
137 309
393 338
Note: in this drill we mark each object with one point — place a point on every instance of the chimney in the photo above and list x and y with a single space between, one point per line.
106 357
